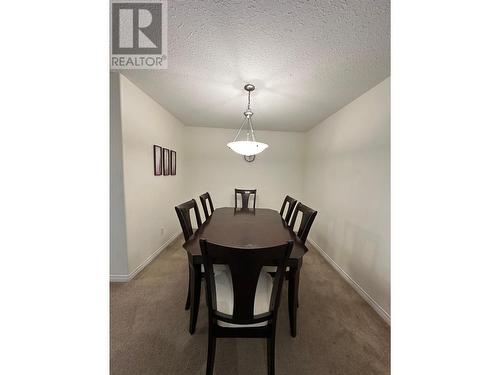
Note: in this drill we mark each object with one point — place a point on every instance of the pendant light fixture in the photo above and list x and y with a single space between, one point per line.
248 146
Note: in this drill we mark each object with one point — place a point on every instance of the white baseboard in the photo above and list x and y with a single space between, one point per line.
378 309
119 278
140 267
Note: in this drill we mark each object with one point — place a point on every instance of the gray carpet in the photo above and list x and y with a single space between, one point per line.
337 332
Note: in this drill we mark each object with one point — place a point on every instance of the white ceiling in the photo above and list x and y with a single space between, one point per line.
307 59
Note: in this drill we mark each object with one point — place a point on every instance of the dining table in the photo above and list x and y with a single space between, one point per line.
245 228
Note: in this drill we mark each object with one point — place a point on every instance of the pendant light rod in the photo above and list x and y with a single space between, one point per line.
248 114
248 105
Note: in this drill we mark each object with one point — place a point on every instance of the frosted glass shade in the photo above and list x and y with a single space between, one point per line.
247 148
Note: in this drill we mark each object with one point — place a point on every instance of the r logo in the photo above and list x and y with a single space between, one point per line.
137 28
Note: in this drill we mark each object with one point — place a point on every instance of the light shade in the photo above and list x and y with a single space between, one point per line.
247 148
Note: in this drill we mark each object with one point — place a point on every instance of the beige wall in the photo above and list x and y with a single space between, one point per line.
213 167
117 227
347 175
149 199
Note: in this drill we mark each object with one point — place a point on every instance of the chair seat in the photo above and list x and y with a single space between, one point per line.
225 296
273 268
218 268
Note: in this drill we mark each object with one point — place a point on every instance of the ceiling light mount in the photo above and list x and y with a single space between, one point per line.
249 146
249 87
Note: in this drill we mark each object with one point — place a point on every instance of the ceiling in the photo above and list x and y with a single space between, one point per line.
307 60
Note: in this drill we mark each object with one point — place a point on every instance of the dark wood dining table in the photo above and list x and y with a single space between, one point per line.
252 228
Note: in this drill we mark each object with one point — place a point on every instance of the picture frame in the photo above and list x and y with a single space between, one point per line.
157 160
166 162
173 163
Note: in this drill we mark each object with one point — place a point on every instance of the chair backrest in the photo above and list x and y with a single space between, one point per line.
308 215
245 195
203 199
291 205
183 214
245 265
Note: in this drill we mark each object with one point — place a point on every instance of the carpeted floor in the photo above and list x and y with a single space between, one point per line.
337 332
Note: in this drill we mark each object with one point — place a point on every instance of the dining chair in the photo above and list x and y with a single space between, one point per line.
245 196
195 274
194 285
184 215
203 199
306 222
308 216
291 205
243 301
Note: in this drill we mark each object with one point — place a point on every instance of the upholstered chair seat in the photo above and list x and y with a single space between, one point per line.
225 295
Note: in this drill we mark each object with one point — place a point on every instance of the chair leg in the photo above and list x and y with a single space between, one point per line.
293 297
270 354
211 353
188 298
297 287
194 295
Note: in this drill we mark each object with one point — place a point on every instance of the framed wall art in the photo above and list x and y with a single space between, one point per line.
173 162
166 161
157 160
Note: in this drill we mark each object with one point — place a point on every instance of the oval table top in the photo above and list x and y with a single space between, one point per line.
252 228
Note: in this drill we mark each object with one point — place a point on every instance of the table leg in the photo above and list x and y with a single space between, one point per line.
194 294
293 296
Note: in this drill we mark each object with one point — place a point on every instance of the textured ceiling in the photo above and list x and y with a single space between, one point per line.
307 58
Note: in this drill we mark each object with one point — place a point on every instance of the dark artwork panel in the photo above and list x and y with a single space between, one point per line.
166 162
157 160
173 163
